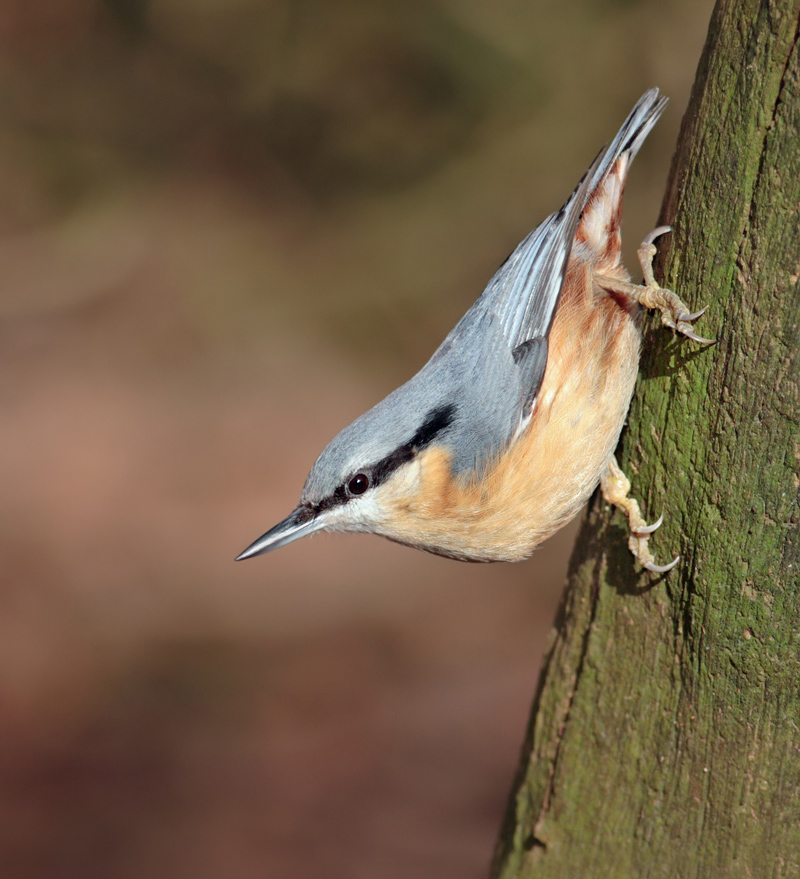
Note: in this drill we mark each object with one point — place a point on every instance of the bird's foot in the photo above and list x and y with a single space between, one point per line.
615 486
651 295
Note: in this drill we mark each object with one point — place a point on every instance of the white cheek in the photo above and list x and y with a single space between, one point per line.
404 481
369 511
359 514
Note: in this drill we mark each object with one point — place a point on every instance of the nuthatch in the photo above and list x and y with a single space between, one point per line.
504 434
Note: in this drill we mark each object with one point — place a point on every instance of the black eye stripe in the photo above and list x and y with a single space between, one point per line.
435 422
337 499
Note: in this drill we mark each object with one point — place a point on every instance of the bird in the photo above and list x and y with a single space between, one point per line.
506 432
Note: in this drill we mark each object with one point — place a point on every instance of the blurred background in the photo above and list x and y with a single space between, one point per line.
227 227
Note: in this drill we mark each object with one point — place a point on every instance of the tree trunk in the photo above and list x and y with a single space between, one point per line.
665 736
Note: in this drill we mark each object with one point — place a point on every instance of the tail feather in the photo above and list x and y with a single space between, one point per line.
524 292
600 220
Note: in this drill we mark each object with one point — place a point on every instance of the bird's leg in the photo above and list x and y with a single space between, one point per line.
674 313
615 486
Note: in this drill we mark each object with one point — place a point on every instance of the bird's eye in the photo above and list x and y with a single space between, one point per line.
358 484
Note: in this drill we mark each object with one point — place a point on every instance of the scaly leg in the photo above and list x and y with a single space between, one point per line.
615 486
674 312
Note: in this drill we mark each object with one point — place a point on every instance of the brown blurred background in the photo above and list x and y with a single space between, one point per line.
227 227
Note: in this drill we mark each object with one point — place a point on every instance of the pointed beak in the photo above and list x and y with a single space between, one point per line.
301 522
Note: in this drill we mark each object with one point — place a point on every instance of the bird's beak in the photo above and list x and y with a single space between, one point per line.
296 525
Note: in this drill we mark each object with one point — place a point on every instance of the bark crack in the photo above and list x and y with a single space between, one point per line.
562 727
773 115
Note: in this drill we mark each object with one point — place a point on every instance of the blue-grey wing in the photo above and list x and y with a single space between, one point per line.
488 370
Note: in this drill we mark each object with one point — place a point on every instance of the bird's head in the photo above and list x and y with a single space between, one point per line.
365 474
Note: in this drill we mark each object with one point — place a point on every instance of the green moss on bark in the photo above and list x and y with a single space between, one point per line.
665 736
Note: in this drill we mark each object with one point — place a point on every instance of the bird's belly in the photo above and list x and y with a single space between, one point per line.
572 435
549 471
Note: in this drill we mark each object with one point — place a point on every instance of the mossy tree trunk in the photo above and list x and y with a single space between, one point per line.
665 736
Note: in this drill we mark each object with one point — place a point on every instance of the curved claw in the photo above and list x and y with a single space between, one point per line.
691 317
691 334
656 233
649 529
662 569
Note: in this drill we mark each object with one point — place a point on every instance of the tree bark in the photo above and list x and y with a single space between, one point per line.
665 735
